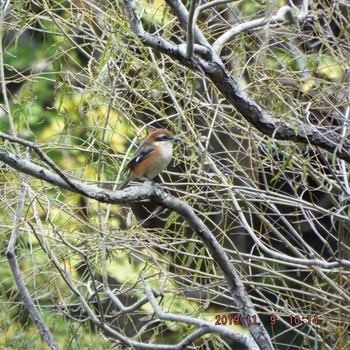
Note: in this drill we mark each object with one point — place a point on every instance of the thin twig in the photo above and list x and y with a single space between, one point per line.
3 12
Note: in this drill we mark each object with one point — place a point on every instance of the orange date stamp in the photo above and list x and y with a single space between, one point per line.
294 320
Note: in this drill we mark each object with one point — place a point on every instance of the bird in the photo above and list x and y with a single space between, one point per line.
151 157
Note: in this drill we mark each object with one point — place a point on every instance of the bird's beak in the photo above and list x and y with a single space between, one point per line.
176 139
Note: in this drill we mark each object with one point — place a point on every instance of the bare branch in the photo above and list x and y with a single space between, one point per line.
182 14
43 157
16 271
214 69
255 123
191 23
235 284
280 17
205 326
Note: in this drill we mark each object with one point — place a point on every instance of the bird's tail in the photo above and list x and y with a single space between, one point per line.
124 183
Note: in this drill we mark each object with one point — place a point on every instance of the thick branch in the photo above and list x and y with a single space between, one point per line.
136 193
206 60
293 130
182 15
205 326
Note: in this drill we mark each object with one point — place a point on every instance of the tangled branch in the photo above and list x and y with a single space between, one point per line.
207 61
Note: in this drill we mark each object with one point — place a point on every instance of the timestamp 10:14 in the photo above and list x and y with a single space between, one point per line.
309 320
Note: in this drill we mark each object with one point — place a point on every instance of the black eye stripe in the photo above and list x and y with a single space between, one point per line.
162 138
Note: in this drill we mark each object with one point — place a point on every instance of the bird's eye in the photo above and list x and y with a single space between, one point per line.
162 138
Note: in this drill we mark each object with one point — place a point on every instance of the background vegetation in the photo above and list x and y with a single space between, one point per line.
78 82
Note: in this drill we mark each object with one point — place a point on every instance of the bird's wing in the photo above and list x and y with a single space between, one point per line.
140 154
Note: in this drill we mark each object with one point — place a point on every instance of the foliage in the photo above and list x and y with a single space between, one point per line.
82 86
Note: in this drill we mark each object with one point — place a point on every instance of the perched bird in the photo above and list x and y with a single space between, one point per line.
151 158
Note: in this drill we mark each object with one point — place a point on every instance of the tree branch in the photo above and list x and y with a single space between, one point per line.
16 272
43 157
280 17
205 326
136 193
191 23
208 62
